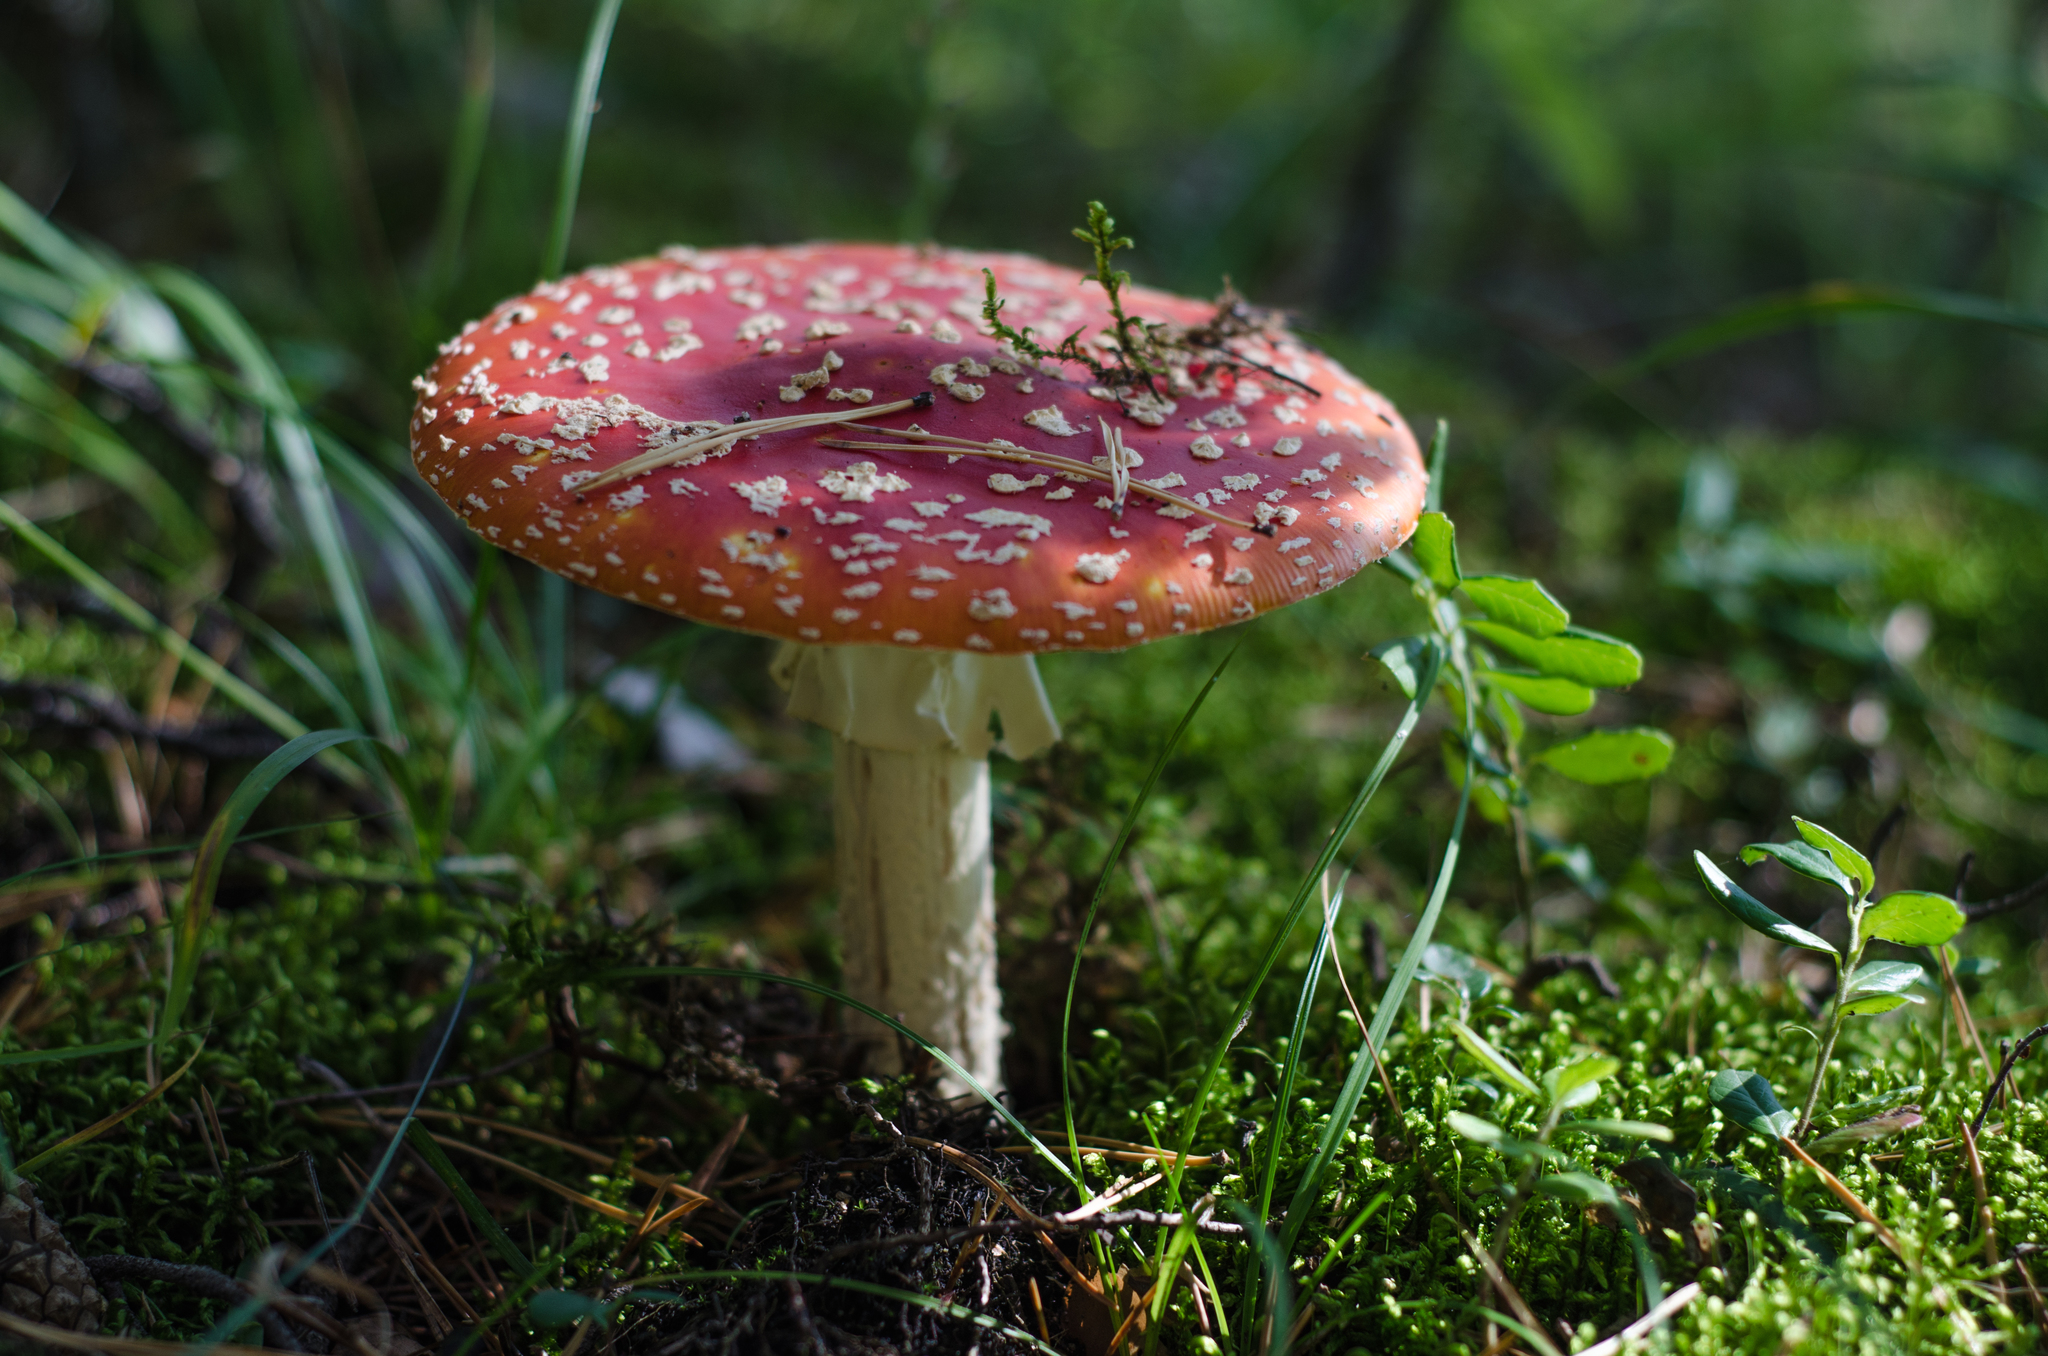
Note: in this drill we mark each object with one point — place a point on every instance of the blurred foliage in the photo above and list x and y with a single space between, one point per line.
1823 528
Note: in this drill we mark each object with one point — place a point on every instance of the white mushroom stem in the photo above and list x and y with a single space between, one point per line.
910 816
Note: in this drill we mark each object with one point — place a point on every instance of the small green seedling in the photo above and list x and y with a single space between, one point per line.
1563 1089
1907 917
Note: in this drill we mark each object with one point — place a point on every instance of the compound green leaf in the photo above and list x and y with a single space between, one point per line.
1551 696
1853 863
1521 603
1753 912
1913 918
1578 654
1435 546
1608 756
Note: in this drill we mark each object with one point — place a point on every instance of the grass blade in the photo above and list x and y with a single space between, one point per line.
232 1321
466 151
132 612
1432 664
64 1052
1116 853
301 460
106 1123
577 135
1348 1096
212 857
422 1142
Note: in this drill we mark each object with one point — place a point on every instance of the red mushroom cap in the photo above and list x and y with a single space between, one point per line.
1256 477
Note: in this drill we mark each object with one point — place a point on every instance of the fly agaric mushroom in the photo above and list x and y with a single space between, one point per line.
835 445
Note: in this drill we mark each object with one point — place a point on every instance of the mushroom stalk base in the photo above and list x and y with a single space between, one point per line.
917 913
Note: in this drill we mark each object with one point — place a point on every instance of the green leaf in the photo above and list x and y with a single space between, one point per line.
560 1308
1580 1073
424 1144
1575 653
1453 967
1580 1189
1746 1098
1435 547
1913 918
1475 1128
1413 660
1853 863
1809 862
1975 967
1605 757
1881 1003
1514 601
1752 912
1476 1046
208 862
1865 1131
1551 696
1625 1129
1880 986
1750 1194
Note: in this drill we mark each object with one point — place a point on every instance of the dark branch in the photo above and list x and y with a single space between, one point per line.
1546 968
58 704
2012 1057
2018 899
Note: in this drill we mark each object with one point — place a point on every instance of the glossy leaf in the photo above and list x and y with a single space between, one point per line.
1747 1099
1883 977
1505 1068
1580 1189
1808 861
1580 1073
1605 757
1476 1128
1521 603
1853 863
1435 547
1452 967
1551 696
1624 1129
1878 1004
1575 653
1752 912
1413 660
1914 918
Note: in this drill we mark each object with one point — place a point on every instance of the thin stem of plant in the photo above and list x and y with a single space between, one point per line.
1827 1044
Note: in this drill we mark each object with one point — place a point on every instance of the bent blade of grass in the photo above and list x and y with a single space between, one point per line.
1291 1065
68 429
937 1306
1432 665
212 857
51 247
1279 1299
576 136
235 1318
220 322
424 1144
299 662
106 1123
132 612
995 1104
64 1052
52 809
1353 1089
1109 865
